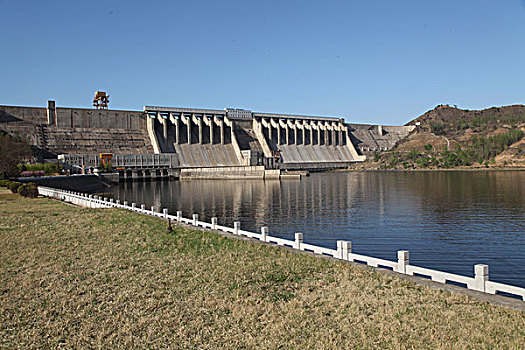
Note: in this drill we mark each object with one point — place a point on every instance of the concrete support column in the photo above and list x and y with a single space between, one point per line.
264 233
236 227
164 126
221 133
326 136
402 261
298 240
344 249
232 134
318 134
211 129
287 135
334 139
295 134
278 134
304 134
51 112
190 121
481 276
311 134
177 130
201 131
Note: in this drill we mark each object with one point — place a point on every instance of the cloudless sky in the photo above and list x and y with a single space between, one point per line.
382 62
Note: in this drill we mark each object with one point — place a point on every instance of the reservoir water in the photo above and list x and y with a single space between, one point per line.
448 220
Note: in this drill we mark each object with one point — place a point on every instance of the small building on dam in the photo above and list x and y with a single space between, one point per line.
200 142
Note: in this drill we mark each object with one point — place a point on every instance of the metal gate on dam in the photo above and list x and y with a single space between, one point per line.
208 143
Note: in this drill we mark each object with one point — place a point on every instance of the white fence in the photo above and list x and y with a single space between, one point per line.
479 282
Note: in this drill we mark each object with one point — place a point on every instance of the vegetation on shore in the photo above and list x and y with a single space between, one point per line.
448 137
39 169
29 190
86 278
13 150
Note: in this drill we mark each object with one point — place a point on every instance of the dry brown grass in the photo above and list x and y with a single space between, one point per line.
84 278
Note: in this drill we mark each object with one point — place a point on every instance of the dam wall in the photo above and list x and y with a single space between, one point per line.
303 142
54 131
200 141
228 137
368 139
201 138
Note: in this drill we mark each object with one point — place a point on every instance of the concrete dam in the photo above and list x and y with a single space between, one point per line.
231 141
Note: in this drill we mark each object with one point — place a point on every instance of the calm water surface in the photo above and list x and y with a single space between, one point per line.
448 221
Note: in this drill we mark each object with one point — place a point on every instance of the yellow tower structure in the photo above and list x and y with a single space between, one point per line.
101 100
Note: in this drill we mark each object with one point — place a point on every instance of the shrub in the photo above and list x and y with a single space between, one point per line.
13 186
28 173
437 128
377 155
4 183
29 190
40 169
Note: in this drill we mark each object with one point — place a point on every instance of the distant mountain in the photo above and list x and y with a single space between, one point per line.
449 137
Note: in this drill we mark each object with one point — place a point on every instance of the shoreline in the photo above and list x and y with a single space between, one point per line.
431 170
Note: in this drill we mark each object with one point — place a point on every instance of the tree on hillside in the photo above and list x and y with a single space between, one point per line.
13 150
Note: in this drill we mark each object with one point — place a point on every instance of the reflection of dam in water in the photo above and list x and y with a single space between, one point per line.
463 218
254 203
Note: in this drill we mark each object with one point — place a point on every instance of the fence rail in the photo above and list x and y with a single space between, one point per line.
479 282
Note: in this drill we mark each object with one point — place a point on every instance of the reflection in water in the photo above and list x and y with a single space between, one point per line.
448 220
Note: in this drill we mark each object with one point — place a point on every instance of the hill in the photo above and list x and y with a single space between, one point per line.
449 137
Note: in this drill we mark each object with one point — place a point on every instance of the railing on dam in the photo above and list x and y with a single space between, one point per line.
165 160
480 281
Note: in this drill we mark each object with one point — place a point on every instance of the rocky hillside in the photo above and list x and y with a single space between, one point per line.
448 137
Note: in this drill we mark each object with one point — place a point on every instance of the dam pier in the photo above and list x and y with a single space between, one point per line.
171 142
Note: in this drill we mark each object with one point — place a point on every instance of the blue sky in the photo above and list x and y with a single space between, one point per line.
382 62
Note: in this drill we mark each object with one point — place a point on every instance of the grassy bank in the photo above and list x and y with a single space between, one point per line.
107 278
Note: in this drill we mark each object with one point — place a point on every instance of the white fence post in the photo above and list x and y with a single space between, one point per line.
118 201
133 206
195 218
264 233
298 240
153 211
142 208
165 212
236 227
344 249
125 203
179 215
481 276
403 259
213 223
